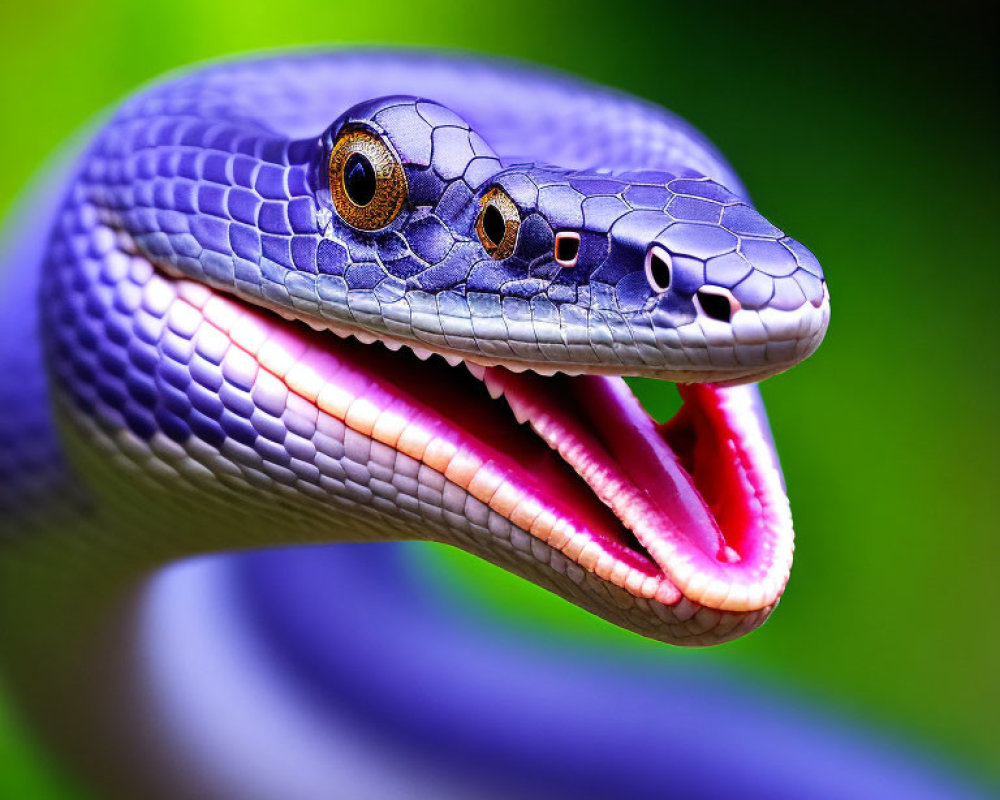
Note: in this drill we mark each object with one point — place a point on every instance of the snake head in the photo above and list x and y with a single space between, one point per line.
434 240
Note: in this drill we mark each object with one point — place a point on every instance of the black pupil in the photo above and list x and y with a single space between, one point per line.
493 224
659 270
359 179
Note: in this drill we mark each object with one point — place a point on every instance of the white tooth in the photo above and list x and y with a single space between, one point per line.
364 338
421 353
520 413
392 345
496 392
478 370
453 360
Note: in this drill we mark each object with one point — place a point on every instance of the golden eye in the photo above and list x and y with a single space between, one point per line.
367 181
498 223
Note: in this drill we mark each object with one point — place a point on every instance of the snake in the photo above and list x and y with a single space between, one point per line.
357 297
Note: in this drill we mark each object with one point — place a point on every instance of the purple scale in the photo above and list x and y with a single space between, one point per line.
331 257
218 168
242 205
812 287
480 170
140 421
451 152
302 215
163 197
212 200
521 188
726 270
769 256
269 427
270 397
110 391
184 196
142 389
245 242
189 166
405 267
366 275
641 196
170 221
277 249
601 212
691 209
271 271
535 237
298 183
523 289
188 250
745 221
425 185
805 259
560 293
206 429
429 239
244 170
246 272
111 358
271 452
561 205
455 205
409 133
205 400
698 240
237 428
755 290
240 372
143 355
236 400
270 182
218 267
443 276
172 425
436 115
633 291
705 189
271 218
211 232
788 295
392 246
303 253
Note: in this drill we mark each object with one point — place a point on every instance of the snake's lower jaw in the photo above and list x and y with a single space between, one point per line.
680 532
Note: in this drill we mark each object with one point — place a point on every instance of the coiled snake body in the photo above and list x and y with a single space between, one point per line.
363 297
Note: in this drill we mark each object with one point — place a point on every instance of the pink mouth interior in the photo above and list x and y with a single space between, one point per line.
655 496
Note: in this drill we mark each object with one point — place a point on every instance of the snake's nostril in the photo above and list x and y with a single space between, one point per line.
567 248
658 269
717 303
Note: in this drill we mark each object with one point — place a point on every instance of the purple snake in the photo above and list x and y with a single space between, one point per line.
369 297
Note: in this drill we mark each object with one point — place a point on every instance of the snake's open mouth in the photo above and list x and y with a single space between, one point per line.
690 514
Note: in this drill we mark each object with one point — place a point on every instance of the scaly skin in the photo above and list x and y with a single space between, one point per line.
190 417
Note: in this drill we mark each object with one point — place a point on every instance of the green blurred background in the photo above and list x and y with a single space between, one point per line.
870 134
